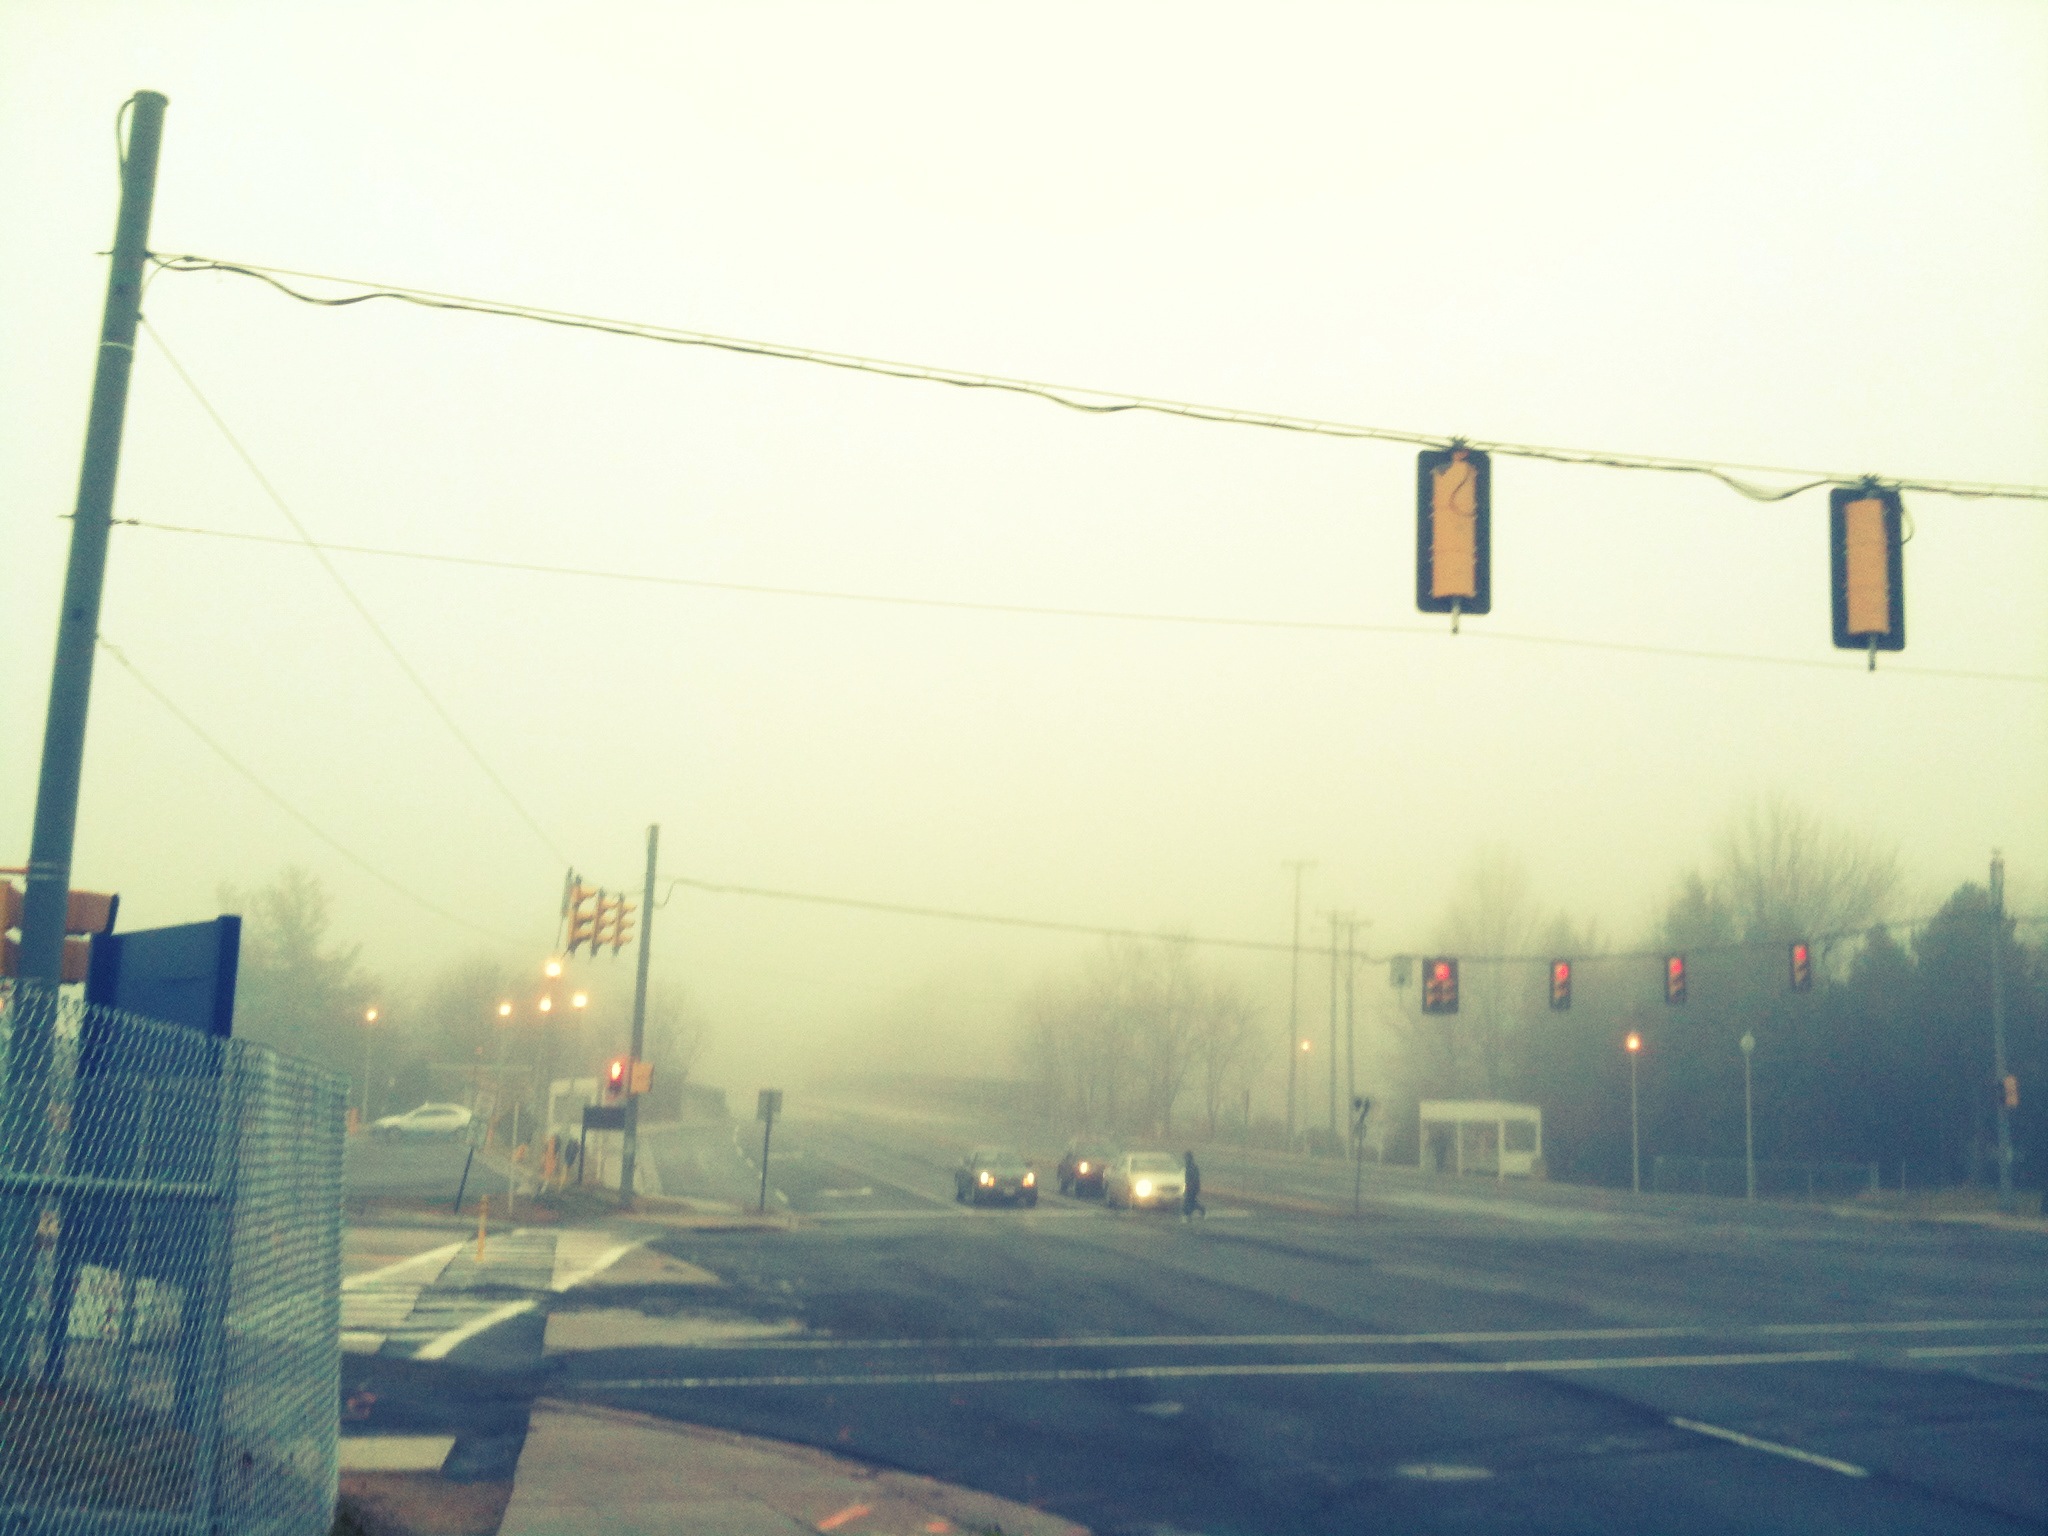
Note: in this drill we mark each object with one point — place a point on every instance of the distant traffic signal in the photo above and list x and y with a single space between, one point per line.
1802 966
1453 538
622 923
617 1077
1560 985
1440 985
581 917
1865 550
1674 979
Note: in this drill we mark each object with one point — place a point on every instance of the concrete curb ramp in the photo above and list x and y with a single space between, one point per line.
598 1469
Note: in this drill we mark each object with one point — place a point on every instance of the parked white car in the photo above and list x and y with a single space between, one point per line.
427 1120
1139 1179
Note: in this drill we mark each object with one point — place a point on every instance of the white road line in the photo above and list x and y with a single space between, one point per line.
1772 1447
1191 1372
428 1264
1382 1340
438 1347
1971 1351
395 1453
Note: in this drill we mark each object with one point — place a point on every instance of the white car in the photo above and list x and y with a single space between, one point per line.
1140 1179
427 1120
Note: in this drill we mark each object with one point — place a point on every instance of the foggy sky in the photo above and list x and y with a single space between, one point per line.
1807 235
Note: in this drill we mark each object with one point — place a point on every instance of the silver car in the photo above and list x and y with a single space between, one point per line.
1140 1179
427 1120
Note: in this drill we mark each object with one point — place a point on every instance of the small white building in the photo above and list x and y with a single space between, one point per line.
1482 1136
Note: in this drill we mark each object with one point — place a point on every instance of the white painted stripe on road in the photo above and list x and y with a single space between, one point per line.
1970 1351
1192 1372
1772 1447
1382 1340
395 1453
437 1348
420 1269
354 1341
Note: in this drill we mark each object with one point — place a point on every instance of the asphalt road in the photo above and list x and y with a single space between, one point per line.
1462 1359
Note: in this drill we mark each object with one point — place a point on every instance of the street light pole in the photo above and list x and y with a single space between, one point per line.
369 1021
1634 1044
2005 1195
1748 1120
1294 998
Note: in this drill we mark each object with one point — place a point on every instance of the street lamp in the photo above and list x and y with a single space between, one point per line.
1748 1119
504 1010
547 1003
1634 1045
552 969
580 1000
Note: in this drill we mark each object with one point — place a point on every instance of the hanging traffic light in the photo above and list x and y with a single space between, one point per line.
622 923
1865 550
1453 540
1674 979
1560 985
1440 985
580 918
1802 966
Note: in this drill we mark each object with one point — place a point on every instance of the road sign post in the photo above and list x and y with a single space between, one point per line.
765 1110
1360 1108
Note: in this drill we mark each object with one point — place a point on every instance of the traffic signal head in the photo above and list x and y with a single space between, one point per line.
1802 966
1453 541
1865 548
617 1077
1440 985
1674 979
581 918
1560 984
622 923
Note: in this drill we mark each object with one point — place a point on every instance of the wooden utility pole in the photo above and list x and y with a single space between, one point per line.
629 1155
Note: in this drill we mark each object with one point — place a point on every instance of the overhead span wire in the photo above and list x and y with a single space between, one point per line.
1265 946
214 745
1039 610
1082 398
306 539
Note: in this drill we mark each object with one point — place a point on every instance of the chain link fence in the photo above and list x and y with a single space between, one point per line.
1775 1179
170 1277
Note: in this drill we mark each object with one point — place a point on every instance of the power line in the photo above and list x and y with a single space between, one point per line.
307 540
1034 610
1091 401
285 805
1263 946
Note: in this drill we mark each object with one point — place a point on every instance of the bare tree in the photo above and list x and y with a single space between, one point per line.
1782 873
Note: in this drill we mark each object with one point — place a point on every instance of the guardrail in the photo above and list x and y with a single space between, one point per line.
170 1277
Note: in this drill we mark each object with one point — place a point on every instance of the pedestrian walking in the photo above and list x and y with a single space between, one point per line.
1191 1188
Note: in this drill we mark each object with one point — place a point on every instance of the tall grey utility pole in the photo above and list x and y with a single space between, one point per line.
78 621
1351 1010
1294 998
34 1015
629 1153
2005 1195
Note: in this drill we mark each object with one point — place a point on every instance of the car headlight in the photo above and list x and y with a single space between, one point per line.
1030 1179
987 1177
1084 1167
1143 1188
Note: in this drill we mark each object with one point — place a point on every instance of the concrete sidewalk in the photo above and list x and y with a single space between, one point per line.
586 1469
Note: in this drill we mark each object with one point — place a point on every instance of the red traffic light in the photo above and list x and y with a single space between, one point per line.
1560 984
1674 979
1440 985
615 1076
1802 967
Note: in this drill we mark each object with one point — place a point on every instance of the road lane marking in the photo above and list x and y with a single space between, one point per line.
1193 1372
1443 1472
1971 1351
429 1264
851 1512
1374 1340
438 1347
1772 1447
395 1453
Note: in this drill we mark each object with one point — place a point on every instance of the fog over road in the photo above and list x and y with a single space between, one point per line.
1461 1358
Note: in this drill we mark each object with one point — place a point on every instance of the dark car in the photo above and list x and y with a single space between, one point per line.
1083 1164
995 1173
